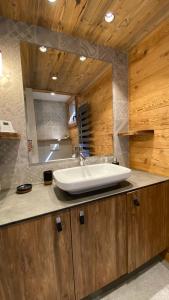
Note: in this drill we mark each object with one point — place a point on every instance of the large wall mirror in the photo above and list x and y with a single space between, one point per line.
68 103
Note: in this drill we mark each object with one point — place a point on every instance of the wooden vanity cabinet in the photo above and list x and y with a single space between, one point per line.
93 245
36 260
99 241
147 223
167 214
39 262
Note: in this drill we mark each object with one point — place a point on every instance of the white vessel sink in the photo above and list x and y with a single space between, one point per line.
91 177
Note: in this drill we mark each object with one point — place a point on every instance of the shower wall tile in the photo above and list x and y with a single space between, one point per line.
120 107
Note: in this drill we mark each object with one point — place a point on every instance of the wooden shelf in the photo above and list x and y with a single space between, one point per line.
137 132
9 136
52 139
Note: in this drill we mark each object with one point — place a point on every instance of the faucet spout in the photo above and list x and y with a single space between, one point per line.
79 154
82 159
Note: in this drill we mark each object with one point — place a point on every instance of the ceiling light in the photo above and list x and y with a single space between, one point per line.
109 17
1 67
52 94
54 77
52 1
43 49
82 58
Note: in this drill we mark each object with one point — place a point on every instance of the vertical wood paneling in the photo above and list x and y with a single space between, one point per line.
99 245
36 260
147 224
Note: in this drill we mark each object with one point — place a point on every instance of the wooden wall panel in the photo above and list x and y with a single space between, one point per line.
149 101
99 96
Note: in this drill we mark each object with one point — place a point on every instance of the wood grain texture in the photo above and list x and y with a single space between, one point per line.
73 75
9 136
149 101
138 133
99 96
36 260
85 19
99 245
167 217
147 224
74 136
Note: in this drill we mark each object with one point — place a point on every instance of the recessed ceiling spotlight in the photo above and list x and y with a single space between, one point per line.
54 77
52 94
52 0
82 58
43 49
109 17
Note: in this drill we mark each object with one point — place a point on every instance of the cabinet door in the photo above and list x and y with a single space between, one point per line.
99 245
167 214
36 260
146 224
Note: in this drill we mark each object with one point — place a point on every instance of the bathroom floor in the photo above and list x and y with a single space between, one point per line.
152 284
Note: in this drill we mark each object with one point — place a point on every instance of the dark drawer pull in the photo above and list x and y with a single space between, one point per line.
81 217
136 202
58 224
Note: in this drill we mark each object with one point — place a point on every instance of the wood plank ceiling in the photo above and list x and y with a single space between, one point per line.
73 75
85 18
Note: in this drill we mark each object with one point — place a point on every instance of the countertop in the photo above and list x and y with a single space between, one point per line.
45 199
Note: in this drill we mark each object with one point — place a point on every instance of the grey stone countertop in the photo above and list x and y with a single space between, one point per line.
45 199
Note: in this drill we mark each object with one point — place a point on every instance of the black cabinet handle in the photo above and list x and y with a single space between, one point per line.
136 202
81 217
58 224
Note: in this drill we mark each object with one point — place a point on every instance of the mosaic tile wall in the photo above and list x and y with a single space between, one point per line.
14 165
51 119
120 109
58 40
51 123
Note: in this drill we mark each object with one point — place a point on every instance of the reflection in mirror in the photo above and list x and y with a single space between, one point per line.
68 104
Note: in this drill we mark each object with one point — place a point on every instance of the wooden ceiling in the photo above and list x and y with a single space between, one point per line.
73 75
85 18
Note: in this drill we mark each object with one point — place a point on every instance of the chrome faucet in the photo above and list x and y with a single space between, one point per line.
79 154
82 159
